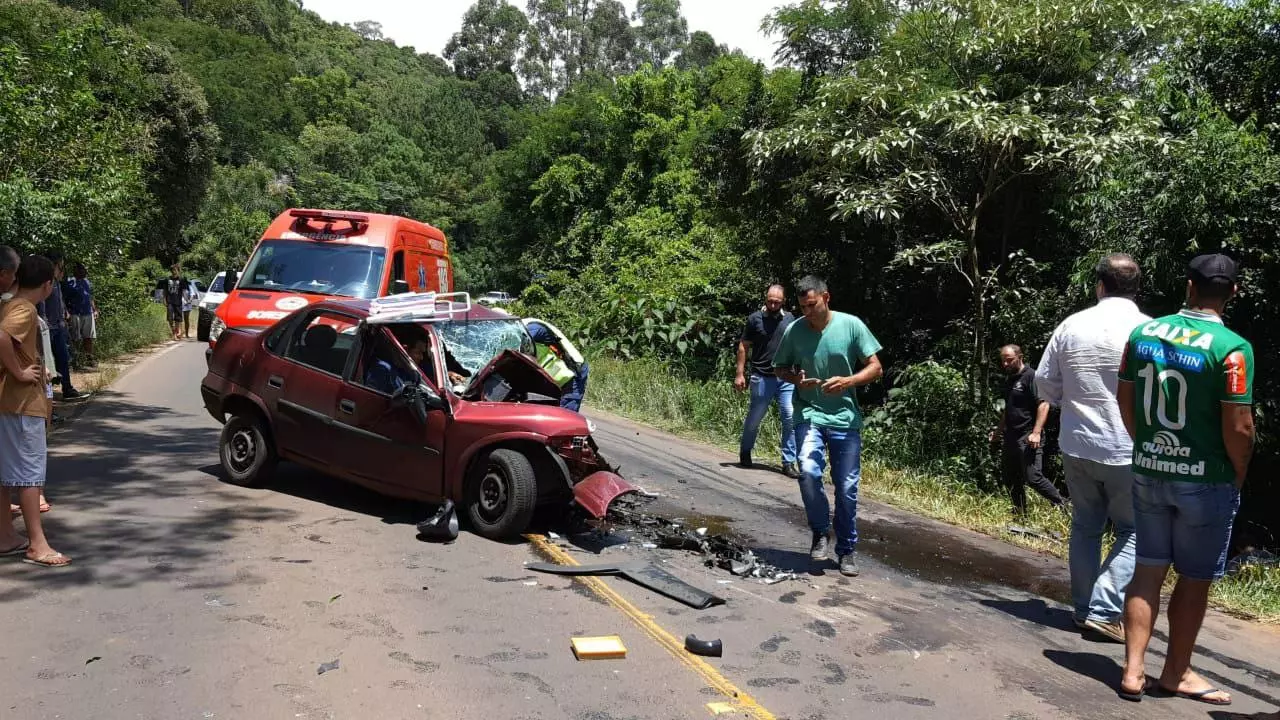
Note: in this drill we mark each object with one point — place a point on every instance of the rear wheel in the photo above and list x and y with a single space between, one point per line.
503 495
247 456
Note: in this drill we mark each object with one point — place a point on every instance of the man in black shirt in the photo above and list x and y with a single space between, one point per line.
1022 432
760 339
172 291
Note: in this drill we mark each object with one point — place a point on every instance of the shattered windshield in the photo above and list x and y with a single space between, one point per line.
477 342
313 267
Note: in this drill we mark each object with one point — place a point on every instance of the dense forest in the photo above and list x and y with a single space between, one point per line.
953 167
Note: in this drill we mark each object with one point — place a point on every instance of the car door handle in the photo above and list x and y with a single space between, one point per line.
347 407
275 382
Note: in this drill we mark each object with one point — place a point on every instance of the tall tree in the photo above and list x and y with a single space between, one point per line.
820 37
490 39
701 51
568 39
663 31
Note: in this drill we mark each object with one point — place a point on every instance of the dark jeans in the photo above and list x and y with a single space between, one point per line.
1022 466
61 355
571 399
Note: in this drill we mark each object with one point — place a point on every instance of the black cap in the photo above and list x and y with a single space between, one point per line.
1204 268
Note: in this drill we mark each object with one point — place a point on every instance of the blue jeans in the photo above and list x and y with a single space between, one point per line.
1100 493
1184 523
571 399
764 390
61 355
845 448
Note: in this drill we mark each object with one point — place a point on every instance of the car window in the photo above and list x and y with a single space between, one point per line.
323 341
476 342
314 267
384 368
216 285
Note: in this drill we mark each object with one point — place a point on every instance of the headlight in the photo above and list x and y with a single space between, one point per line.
591 427
215 328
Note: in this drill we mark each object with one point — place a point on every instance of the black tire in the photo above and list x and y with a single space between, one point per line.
248 457
203 324
502 495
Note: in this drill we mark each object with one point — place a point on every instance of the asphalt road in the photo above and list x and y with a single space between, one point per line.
190 598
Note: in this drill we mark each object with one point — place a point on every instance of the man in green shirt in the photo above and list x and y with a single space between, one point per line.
826 356
1186 397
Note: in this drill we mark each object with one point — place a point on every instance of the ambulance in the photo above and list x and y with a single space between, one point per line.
308 255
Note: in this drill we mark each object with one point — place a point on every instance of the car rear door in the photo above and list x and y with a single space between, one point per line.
382 441
305 385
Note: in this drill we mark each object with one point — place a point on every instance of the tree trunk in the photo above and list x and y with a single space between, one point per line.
978 385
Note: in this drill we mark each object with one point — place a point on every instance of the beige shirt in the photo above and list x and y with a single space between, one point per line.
18 320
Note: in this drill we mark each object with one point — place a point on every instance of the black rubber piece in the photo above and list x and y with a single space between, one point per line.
649 576
441 527
706 648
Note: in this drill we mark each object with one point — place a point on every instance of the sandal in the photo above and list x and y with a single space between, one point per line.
53 559
1134 696
18 549
15 511
1199 695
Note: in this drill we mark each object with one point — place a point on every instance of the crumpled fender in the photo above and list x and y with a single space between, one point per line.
598 490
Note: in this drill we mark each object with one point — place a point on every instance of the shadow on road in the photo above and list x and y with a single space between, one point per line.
1091 665
124 505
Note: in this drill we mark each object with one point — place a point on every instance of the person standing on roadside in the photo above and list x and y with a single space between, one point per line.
1021 433
826 357
9 262
1078 373
760 339
78 292
1186 397
173 292
24 414
54 312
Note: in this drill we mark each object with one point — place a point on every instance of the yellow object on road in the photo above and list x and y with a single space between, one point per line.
607 647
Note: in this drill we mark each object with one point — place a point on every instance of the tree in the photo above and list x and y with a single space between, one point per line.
820 38
568 39
490 39
969 99
369 30
663 31
701 51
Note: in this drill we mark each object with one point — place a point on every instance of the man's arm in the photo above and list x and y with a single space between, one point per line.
1035 439
870 372
12 364
1124 396
1238 436
740 380
1048 385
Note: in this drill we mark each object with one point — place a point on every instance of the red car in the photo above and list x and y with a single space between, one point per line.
419 396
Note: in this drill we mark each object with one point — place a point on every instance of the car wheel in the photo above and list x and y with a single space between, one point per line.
248 458
503 496
202 326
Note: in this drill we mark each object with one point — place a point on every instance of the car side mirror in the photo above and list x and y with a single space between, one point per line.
399 287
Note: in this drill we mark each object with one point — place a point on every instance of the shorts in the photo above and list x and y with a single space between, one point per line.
83 327
1186 524
22 451
175 313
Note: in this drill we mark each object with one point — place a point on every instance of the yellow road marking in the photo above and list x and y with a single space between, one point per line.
644 621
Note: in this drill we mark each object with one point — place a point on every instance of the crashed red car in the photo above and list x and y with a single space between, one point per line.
420 397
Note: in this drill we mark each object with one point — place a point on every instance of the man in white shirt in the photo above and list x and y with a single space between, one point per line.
1079 373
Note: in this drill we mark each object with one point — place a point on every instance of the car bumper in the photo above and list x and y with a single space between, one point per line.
212 402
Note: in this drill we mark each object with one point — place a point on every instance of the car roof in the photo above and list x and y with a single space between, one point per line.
361 308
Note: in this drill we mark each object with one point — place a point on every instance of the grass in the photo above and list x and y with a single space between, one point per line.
649 391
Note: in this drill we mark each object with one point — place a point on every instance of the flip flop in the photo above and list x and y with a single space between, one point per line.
1132 696
1198 696
17 550
48 560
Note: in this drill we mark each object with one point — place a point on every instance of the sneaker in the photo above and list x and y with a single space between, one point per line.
72 394
789 469
818 550
1111 630
848 566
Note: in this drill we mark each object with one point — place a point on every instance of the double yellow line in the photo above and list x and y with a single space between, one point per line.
740 700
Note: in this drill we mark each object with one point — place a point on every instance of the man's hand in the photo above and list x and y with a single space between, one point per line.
32 374
457 378
740 383
1033 440
837 385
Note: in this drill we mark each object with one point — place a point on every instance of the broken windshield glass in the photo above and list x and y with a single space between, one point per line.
475 343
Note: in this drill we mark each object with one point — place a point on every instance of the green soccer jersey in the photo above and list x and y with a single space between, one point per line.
1183 368
834 351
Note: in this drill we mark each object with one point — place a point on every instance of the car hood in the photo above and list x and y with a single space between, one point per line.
518 371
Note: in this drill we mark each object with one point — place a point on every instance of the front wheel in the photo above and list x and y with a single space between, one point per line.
503 496
247 455
203 323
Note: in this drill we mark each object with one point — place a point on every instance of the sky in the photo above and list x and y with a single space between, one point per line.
427 25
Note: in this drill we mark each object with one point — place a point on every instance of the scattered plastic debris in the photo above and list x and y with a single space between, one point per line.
646 575
645 493
93 659
608 647
531 583
443 526
326 667
1020 530
706 648
335 598
649 546
553 536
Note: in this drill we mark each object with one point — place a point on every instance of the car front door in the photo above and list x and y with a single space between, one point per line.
381 440
306 384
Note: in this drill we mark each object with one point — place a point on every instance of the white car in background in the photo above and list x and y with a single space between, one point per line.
495 297
209 302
